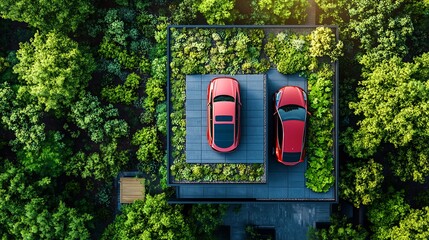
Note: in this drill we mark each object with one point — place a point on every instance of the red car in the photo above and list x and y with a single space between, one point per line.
223 114
290 120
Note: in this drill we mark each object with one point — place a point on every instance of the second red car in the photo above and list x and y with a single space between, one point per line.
290 120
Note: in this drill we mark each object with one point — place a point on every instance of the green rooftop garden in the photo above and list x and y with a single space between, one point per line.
254 51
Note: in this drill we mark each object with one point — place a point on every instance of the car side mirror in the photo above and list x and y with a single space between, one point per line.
309 113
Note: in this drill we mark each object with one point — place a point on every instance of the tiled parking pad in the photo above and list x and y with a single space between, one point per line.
253 118
283 182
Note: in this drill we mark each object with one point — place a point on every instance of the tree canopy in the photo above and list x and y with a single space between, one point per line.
54 69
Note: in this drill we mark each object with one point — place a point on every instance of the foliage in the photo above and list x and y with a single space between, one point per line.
52 15
184 12
47 161
26 214
218 11
126 41
152 218
149 153
386 212
339 229
361 182
99 121
278 12
323 43
23 120
333 10
161 118
382 32
390 117
54 68
289 52
125 93
205 218
320 143
414 226
155 88
100 166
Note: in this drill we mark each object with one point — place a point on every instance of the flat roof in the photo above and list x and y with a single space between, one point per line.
282 184
253 139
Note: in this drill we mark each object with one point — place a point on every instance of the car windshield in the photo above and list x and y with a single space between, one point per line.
224 98
292 112
291 157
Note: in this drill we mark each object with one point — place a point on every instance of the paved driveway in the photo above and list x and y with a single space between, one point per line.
291 220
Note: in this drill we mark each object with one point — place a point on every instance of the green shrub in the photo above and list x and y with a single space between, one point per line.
319 173
289 52
126 93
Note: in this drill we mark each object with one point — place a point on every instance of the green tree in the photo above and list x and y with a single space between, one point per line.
278 11
54 69
100 166
152 218
126 93
338 230
149 152
22 117
205 218
218 11
386 212
392 99
47 161
413 226
27 213
51 15
361 182
99 121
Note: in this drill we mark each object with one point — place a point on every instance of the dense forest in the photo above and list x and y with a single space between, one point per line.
82 97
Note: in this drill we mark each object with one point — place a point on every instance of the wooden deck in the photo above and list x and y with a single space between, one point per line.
131 189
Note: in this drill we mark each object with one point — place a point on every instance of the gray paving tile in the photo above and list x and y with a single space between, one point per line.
295 192
193 113
277 180
278 193
194 104
194 94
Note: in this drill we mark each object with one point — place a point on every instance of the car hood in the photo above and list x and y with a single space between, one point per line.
293 135
224 86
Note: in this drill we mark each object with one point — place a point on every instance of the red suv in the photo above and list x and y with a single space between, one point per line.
290 120
223 114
